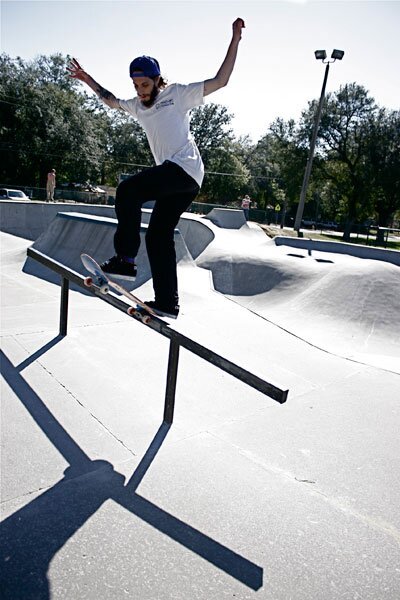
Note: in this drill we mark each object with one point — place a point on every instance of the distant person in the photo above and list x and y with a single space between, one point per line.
163 111
246 206
50 185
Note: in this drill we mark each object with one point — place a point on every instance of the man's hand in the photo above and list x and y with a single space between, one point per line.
237 27
76 71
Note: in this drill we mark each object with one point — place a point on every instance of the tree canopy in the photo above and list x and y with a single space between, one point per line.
48 121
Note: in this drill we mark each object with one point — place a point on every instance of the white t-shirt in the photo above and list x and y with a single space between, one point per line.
166 125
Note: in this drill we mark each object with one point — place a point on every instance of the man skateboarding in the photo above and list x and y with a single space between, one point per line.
163 111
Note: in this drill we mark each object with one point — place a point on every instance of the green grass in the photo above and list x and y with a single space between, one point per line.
362 241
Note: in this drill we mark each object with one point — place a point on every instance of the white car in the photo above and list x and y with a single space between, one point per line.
8 194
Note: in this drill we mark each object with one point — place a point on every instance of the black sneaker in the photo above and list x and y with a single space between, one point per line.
118 267
170 312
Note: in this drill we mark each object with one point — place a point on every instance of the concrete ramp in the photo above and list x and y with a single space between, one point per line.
349 307
70 234
345 304
227 218
196 233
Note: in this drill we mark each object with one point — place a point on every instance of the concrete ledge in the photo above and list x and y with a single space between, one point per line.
30 219
391 256
227 218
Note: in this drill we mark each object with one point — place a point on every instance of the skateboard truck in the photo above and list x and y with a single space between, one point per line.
104 287
105 284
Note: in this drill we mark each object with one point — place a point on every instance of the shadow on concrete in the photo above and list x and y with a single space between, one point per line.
31 537
28 361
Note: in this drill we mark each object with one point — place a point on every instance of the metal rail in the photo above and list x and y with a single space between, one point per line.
176 339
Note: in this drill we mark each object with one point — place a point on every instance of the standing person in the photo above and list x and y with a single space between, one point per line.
50 185
246 206
163 111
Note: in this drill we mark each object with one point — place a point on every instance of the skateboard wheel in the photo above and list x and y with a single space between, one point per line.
134 312
104 289
88 281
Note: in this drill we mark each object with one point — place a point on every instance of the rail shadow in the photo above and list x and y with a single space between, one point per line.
34 533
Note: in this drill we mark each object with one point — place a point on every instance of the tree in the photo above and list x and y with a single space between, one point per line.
342 145
257 160
383 155
226 176
127 147
276 164
46 123
288 158
209 126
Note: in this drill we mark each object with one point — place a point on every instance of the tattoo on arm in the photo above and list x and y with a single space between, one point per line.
104 94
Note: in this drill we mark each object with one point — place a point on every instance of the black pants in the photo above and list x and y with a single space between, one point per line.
173 191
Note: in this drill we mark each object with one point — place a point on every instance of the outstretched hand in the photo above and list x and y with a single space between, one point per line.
237 27
76 71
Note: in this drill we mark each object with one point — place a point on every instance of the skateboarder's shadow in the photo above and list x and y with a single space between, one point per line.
35 533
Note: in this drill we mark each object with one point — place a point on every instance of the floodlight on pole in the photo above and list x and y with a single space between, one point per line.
319 55
337 54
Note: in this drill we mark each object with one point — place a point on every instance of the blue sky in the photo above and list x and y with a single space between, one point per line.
276 73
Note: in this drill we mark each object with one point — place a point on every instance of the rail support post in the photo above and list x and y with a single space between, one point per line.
64 306
171 381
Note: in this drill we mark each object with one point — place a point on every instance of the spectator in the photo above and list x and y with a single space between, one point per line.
246 206
51 185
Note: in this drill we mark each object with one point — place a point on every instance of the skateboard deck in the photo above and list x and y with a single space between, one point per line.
105 283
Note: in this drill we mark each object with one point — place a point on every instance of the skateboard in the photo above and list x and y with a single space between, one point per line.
105 283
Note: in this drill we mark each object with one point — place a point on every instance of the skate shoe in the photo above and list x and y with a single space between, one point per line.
171 312
118 267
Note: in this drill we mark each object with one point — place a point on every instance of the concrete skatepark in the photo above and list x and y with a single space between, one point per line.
241 497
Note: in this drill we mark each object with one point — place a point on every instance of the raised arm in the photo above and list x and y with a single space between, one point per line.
76 72
225 70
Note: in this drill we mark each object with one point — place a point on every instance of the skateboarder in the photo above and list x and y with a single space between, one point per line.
163 111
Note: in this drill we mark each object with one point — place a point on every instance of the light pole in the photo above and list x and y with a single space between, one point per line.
319 55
